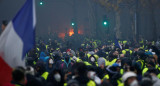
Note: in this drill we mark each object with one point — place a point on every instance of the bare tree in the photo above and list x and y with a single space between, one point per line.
134 7
116 6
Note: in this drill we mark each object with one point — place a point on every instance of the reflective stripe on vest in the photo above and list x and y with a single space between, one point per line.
141 63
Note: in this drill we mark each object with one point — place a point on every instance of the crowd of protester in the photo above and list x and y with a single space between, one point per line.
94 63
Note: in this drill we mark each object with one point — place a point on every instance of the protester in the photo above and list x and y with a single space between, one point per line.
94 63
129 79
4 24
19 77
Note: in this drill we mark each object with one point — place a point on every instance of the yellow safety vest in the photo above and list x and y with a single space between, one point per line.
119 81
65 84
34 62
146 50
57 48
157 67
144 71
124 42
141 42
78 60
82 45
46 46
91 83
106 62
38 49
96 56
87 63
121 71
153 43
45 75
113 61
158 75
124 51
142 65
106 77
107 53
95 44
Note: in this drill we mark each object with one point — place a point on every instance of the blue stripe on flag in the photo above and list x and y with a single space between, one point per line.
23 25
117 43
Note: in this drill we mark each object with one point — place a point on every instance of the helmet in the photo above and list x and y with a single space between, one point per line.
128 75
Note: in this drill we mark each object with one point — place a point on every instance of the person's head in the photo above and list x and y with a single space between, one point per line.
72 83
106 83
72 53
18 75
57 75
150 62
82 54
40 67
130 78
92 59
136 48
141 54
118 62
126 46
101 62
116 66
91 75
96 50
80 69
68 51
50 63
67 58
30 70
115 53
146 80
4 24
56 55
153 71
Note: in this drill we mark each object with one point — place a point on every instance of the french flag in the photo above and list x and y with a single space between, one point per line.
117 44
16 40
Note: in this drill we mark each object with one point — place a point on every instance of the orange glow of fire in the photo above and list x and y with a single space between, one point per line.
61 35
71 32
80 31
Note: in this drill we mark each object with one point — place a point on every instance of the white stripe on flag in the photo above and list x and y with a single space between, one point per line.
11 47
119 45
34 14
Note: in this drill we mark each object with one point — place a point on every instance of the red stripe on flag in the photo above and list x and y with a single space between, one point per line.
5 72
